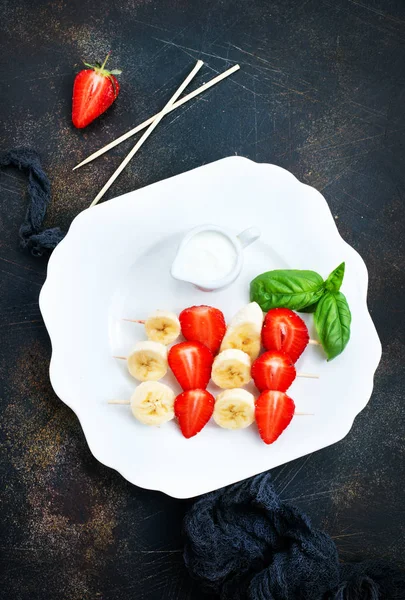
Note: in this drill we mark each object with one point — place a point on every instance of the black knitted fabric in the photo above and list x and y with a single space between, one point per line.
244 543
32 237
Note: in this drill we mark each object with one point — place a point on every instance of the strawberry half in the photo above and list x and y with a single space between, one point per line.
273 371
94 90
284 330
191 364
274 411
193 410
204 324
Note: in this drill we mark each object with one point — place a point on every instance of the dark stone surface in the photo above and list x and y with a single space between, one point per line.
321 93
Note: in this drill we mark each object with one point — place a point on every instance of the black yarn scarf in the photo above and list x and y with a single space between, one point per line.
32 237
244 543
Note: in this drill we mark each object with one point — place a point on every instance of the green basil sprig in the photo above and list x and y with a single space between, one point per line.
332 321
306 291
288 288
309 309
334 281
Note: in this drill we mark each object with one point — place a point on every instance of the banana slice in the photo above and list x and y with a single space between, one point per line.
231 369
162 326
234 409
152 403
148 361
244 331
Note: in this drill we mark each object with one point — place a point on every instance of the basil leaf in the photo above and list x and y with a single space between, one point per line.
287 288
334 281
332 321
309 309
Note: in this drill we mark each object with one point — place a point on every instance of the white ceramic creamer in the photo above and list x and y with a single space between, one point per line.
211 257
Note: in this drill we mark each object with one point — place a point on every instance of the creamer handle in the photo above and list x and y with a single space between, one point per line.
249 236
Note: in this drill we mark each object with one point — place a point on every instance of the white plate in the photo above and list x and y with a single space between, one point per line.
114 263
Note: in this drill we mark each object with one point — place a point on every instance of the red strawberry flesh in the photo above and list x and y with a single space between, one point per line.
273 371
191 363
94 90
193 410
284 330
204 324
274 412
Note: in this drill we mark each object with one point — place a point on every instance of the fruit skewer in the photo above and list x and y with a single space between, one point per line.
171 322
154 404
118 402
299 374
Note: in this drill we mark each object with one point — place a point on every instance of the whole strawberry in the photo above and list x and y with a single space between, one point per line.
94 90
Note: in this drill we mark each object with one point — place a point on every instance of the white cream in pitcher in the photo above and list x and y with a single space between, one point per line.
207 256
211 257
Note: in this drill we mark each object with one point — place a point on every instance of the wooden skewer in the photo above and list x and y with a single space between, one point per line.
147 133
118 402
135 321
314 342
121 357
308 375
145 124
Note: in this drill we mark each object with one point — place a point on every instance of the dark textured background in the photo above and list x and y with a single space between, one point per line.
321 93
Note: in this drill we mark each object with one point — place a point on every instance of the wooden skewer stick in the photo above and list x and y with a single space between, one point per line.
314 342
308 375
118 402
135 321
147 133
121 357
145 124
